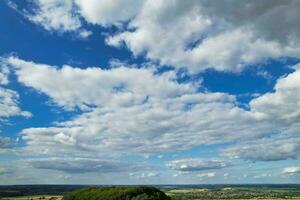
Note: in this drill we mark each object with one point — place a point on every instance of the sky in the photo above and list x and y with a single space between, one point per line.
149 92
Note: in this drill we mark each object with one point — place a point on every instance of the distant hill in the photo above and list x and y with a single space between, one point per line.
117 193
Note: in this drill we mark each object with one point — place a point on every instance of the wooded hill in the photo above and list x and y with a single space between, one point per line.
117 193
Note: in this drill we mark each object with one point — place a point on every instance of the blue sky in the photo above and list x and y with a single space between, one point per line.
149 92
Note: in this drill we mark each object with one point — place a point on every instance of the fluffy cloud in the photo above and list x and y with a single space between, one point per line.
291 170
194 34
131 110
142 111
8 98
117 87
193 164
82 165
65 15
281 106
9 104
106 12
56 15
267 149
281 110
204 34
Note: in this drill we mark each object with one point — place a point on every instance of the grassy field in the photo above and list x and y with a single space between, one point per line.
40 197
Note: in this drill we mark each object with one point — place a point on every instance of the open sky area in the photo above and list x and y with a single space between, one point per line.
149 91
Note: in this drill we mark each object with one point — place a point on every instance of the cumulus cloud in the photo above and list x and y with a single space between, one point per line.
65 15
291 170
140 110
194 164
204 34
117 87
106 12
56 15
9 104
82 165
281 110
281 106
226 36
267 149
9 99
137 110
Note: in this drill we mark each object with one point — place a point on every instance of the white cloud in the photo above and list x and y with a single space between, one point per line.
57 15
281 110
132 109
281 106
85 33
117 87
194 34
267 149
9 99
144 175
204 34
291 170
54 14
139 111
194 164
4 72
106 12
9 104
207 175
67 15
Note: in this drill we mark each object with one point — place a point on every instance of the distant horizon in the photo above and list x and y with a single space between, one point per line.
233 184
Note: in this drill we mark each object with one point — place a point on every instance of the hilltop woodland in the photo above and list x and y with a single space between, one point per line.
117 193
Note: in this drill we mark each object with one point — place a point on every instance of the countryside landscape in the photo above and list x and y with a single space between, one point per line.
166 192
149 99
